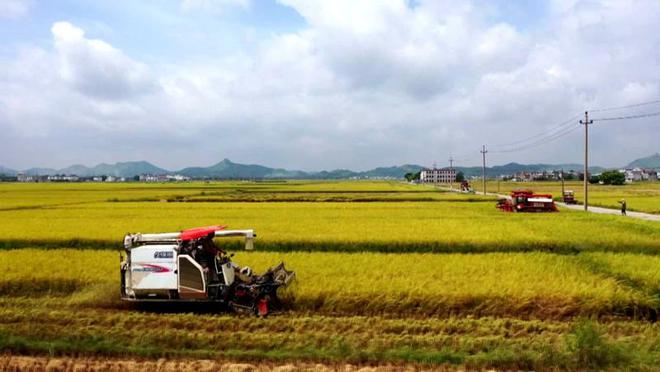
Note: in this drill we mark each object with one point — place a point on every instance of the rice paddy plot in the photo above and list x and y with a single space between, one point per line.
536 285
383 226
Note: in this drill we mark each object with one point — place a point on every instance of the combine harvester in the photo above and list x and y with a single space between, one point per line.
187 266
527 201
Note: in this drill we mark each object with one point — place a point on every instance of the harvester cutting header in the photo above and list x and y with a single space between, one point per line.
527 201
189 266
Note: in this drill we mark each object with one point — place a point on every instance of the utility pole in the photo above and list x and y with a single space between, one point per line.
586 123
562 184
451 168
483 166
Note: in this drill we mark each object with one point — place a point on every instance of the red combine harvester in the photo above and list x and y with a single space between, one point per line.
527 201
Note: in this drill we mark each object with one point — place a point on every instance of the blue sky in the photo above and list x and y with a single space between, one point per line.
155 29
321 84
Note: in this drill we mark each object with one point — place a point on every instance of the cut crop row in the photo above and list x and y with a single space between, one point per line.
475 343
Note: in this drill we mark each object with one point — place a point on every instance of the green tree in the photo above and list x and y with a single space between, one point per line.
460 177
613 177
410 176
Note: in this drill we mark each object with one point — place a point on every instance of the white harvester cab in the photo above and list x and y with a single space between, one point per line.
170 265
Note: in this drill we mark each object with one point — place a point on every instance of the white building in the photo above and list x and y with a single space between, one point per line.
163 178
640 174
24 177
63 178
177 177
438 175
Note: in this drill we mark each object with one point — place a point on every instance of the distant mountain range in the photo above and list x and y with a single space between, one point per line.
226 169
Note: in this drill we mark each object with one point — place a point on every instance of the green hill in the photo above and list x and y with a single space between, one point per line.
652 161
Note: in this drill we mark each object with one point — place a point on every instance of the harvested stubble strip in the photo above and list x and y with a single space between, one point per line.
81 364
474 342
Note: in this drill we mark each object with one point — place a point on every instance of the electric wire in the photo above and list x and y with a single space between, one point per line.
638 116
626 106
558 128
541 141
561 130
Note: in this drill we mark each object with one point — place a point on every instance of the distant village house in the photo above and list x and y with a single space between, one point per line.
639 174
438 175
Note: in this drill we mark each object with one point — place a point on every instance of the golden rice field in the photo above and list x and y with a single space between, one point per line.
537 285
387 273
505 310
450 223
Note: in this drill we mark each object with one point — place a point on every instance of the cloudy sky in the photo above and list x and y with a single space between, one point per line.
306 84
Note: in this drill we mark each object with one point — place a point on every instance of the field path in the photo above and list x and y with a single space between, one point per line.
601 210
578 207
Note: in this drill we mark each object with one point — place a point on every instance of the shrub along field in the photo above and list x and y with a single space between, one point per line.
371 285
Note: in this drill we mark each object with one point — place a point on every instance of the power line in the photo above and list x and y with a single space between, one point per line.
551 132
560 130
640 116
541 141
566 127
627 106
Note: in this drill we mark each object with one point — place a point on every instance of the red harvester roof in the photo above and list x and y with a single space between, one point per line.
199 232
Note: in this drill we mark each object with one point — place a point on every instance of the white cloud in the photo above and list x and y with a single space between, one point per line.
214 5
13 9
362 84
95 67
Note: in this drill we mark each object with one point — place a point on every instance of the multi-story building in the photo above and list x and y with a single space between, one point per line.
438 175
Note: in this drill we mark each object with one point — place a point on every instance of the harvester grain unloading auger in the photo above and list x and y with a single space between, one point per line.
187 266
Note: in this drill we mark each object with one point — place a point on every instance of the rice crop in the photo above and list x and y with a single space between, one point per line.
510 291
384 226
530 285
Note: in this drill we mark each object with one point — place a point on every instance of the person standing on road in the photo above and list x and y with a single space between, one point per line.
623 206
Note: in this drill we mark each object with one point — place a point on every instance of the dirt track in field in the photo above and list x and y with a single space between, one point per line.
83 364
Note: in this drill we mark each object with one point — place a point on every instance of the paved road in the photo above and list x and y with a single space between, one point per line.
639 215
